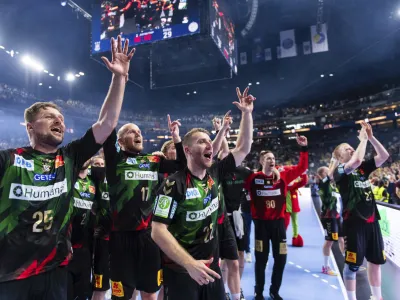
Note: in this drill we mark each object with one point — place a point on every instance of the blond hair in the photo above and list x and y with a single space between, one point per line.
32 111
336 152
165 146
188 136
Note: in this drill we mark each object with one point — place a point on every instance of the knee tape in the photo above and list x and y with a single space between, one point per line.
349 272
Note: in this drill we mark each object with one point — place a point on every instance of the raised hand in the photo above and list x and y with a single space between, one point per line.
217 123
362 134
120 59
245 103
301 140
369 132
227 121
159 154
174 127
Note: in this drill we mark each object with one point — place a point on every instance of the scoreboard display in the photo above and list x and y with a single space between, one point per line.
142 21
223 31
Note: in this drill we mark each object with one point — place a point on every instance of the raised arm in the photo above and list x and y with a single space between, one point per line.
358 156
332 166
119 66
220 144
245 138
381 153
298 170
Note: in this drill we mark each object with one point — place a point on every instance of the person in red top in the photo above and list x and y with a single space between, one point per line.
293 208
268 190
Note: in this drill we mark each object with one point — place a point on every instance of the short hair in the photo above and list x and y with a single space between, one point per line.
321 170
165 146
188 136
32 111
336 152
264 152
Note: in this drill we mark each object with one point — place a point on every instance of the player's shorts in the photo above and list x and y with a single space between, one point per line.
331 228
101 265
79 273
180 286
45 286
266 231
228 248
241 243
363 240
135 263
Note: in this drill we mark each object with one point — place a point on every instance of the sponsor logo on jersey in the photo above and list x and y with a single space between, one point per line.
259 181
362 184
335 236
117 289
84 204
193 216
351 257
268 193
105 196
85 195
76 186
192 193
44 177
144 166
141 175
59 161
173 209
207 199
162 206
131 161
160 277
37 193
23 163
98 281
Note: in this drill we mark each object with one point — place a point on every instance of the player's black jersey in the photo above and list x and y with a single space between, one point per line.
232 188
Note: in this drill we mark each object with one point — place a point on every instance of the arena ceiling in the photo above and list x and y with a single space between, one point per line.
363 57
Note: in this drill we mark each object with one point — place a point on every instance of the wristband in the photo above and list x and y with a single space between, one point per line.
216 132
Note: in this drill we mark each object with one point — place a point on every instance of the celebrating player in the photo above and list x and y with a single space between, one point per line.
37 186
362 233
185 215
268 190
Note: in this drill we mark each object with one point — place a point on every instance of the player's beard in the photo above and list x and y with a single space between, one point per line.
49 139
135 148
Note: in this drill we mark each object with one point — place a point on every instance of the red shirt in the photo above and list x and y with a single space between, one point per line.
268 199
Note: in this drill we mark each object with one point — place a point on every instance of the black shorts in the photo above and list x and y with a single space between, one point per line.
180 286
228 248
363 240
270 230
135 263
331 228
46 286
101 265
241 243
79 273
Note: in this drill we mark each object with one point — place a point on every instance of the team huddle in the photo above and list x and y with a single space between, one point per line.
99 213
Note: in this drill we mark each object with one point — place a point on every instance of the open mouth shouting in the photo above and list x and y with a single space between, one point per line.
208 156
57 131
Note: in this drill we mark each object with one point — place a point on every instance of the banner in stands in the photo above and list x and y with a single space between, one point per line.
390 226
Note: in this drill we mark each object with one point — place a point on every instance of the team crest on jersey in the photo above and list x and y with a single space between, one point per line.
154 159
92 189
168 187
46 168
59 161
210 182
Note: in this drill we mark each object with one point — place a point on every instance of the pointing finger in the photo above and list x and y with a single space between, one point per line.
238 93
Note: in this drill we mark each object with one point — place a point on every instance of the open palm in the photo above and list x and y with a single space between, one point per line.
120 59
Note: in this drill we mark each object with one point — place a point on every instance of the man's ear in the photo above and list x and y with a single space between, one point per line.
186 150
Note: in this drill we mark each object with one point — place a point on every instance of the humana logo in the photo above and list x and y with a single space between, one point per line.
37 193
192 216
84 204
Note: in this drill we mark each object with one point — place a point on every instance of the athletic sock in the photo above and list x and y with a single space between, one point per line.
326 261
376 292
235 296
352 295
226 288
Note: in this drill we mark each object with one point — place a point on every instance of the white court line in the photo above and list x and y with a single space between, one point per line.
299 267
291 263
334 286
305 270
315 275
335 266
324 280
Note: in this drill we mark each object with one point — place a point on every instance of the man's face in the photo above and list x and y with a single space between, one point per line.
171 152
131 139
267 161
98 162
324 173
48 127
345 153
200 150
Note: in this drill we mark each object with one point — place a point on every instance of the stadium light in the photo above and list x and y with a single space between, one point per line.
63 3
322 75
29 61
81 73
2 47
40 83
194 92
331 75
58 78
77 75
49 87
46 71
188 94
70 77
257 83
51 74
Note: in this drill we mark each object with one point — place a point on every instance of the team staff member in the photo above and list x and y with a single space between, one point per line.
268 190
37 186
80 266
101 265
135 261
362 232
330 217
185 216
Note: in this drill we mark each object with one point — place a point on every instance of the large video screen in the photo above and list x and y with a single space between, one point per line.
142 21
223 31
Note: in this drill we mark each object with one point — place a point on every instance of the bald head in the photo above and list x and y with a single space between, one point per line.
130 138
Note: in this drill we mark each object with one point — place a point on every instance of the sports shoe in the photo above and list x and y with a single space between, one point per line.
328 271
227 296
258 297
241 295
297 241
248 257
275 296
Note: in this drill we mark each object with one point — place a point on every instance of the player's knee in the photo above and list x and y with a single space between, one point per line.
233 265
349 271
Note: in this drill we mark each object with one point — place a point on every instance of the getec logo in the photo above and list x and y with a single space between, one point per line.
44 177
21 162
144 166
37 193
85 195
193 216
